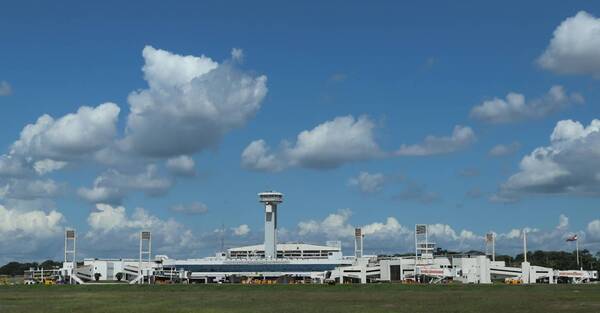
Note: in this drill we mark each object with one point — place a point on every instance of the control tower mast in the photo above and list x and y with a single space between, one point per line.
270 199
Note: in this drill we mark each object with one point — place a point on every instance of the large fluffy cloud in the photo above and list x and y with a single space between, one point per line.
569 165
343 139
515 108
73 135
390 228
15 224
49 144
190 104
329 145
574 46
28 235
462 137
334 226
111 224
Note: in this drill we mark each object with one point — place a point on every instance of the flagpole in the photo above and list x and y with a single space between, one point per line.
577 251
493 247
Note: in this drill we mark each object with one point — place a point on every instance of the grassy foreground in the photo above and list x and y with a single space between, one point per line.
301 298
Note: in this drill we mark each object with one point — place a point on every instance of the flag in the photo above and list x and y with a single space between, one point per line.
421 229
489 237
572 238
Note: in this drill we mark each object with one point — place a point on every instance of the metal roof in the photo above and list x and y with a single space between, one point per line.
287 247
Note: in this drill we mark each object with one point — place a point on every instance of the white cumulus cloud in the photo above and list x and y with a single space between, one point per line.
574 46
190 104
569 165
461 138
334 226
110 224
33 224
390 228
71 136
515 107
27 235
329 145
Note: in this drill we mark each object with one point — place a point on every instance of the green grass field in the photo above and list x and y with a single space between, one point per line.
301 298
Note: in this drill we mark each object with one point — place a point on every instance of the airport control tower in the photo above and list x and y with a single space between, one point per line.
271 199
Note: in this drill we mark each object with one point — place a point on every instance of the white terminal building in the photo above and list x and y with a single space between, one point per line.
292 262
268 260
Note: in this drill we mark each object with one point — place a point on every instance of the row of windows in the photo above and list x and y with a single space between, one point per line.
252 268
238 254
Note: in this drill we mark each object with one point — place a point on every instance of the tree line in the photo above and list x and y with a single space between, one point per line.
16 268
556 259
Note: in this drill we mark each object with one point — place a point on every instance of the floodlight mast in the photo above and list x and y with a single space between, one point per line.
271 199
145 250
70 242
358 243
490 239
525 245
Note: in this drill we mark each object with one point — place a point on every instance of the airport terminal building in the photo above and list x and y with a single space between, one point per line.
272 262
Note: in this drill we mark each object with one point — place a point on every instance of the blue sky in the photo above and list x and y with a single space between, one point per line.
362 80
